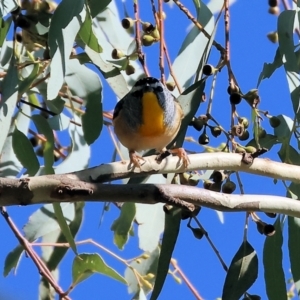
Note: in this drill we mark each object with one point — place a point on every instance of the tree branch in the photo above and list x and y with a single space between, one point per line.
202 161
62 188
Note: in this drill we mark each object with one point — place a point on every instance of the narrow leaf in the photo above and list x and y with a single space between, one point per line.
272 260
12 260
242 273
24 152
92 120
8 100
172 226
87 35
123 224
294 248
97 6
65 24
5 24
64 226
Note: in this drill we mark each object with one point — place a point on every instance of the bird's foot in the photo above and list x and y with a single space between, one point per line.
135 159
181 153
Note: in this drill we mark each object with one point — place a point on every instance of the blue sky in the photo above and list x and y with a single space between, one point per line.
250 22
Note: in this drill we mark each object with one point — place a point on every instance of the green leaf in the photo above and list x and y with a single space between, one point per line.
59 122
12 260
285 29
85 265
269 69
294 237
242 272
284 130
24 152
97 6
294 248
65 25
87 35
272 260
56 106
122 225
172 226
64 226
266 142
289 154
43 127
92 119
4 27
8 100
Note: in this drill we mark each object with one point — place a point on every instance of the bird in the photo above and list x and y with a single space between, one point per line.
148 117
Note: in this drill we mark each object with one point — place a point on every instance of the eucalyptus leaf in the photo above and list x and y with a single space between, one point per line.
294 246
24 152
272 260
97 7
242 272
12 259
86 264
87 35
64 226
172 226
65 25
123 224
4 28
270 68
8 100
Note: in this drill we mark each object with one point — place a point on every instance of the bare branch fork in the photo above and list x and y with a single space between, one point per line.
87 185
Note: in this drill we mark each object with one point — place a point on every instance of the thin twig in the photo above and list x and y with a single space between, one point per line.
185 279
166 51
162 42
196 23
43 139
140 54
171 69
39 81
212 245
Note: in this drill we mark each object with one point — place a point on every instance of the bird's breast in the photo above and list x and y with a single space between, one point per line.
152 116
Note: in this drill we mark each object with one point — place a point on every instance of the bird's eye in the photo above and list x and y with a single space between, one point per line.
159 89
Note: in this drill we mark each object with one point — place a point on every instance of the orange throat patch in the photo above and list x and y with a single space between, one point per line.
152 115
